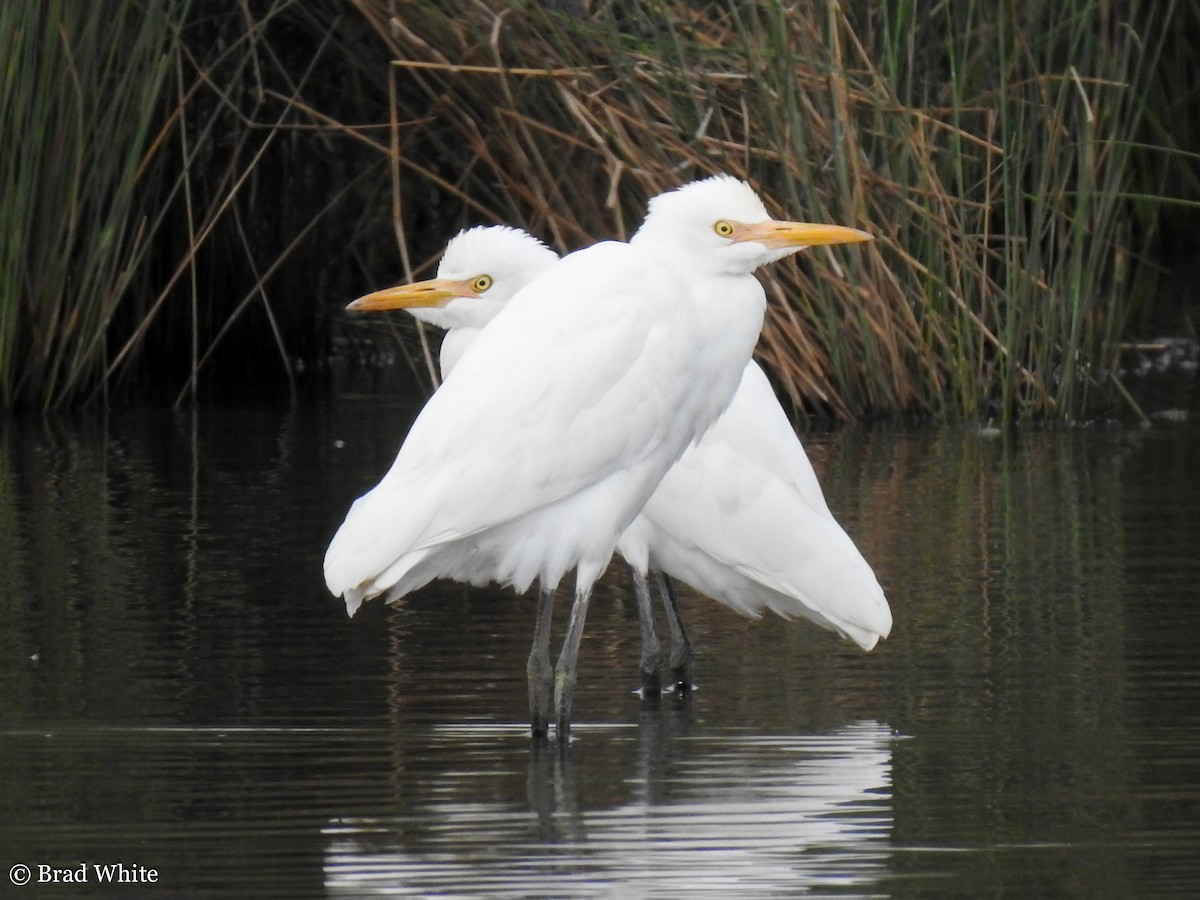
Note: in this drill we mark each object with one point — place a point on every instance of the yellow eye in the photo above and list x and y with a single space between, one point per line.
481 283
723 228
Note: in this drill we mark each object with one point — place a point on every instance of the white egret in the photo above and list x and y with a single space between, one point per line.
559 421
740 517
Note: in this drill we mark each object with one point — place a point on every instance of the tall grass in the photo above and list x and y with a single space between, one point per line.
78 107
153 191
994 149
186 183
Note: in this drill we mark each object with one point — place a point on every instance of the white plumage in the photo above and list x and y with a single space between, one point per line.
741 518
556 425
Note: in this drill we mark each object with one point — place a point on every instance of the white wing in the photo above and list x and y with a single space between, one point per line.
741 518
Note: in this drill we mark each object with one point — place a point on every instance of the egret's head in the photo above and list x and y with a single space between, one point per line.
481 269
722 225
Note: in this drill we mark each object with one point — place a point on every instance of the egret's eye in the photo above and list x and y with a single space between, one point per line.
481 283
723 228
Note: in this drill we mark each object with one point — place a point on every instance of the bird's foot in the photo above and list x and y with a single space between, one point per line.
652 684
681 679
541 693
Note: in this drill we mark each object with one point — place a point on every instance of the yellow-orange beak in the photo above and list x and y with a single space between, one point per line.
779 234
421 294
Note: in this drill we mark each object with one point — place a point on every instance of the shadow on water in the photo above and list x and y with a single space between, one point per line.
177 691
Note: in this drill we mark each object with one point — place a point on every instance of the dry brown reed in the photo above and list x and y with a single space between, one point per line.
992 160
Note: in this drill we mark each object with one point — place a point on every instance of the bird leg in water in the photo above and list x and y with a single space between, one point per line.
568 662
541 673
652 657
681 645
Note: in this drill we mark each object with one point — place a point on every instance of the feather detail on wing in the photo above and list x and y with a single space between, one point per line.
741 518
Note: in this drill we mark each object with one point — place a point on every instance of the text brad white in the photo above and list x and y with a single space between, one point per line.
98 873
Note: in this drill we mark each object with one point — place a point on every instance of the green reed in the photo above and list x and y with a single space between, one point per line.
144 203
78 106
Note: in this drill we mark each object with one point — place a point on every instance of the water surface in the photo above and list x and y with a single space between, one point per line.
177 690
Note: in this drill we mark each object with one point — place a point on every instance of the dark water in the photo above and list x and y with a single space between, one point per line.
178 692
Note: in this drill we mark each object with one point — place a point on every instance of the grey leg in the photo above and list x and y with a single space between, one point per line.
652 657
681 645
568 663
539 670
